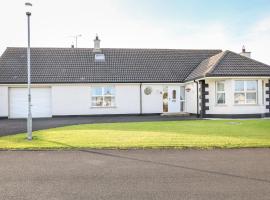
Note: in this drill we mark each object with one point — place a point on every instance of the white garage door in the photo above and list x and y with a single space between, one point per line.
41 102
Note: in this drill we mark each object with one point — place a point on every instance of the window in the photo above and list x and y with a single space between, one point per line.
174 94
220 92
99 57
103 96
182 99
165 99
263 91
245 92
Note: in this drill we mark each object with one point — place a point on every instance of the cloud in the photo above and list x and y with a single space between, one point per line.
258 40
53 22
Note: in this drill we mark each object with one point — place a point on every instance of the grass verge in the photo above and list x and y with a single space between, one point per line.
173 134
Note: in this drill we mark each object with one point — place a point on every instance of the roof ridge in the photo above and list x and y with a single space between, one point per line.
116 48
248 58
211 69
206 62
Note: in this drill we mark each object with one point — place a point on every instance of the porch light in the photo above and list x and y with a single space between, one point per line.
188 89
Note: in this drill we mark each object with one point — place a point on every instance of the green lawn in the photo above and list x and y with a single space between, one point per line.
174 134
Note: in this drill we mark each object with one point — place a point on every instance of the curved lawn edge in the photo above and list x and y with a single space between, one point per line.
197 134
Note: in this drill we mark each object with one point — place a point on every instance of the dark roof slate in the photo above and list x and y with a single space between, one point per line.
205 66
228 63
233 64
71 65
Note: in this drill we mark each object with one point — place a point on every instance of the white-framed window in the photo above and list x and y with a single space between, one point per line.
245 92
220 93
182 98
103 96
263 91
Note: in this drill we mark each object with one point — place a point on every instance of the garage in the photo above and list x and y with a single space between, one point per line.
41 102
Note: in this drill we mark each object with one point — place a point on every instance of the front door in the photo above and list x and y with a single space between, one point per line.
173 99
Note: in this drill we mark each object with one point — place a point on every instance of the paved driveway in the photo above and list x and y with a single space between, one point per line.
135 174
14 126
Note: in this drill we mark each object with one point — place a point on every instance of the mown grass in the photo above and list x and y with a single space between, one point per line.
173 134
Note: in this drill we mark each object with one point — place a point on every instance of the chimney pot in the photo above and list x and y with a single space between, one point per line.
245 53
97 44
243 49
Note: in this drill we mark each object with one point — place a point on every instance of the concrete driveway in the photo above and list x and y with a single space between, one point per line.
14 126
135 174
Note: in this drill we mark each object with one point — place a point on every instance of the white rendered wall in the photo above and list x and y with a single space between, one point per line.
191 98
152 103
230 107
76 100
3 101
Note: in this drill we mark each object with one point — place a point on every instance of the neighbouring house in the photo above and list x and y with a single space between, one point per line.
100 81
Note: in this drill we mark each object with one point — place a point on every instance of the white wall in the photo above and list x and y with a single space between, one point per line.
76 100
152 103
191 98
3 101
230 107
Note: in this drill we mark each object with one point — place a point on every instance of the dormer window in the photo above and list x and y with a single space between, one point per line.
99 57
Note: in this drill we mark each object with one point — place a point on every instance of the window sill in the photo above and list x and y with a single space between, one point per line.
246 105
92 107
221 105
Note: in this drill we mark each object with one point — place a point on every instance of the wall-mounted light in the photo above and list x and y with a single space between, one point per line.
188 89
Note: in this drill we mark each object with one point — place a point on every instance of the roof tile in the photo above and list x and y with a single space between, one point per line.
74 65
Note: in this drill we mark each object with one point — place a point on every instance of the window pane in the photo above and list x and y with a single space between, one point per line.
174 94
165 99
239 85
251 98
263 91
109 101
109 91
182 106
96 91
103 96
97 101
182 93
221 98
220 86
252 85
239 98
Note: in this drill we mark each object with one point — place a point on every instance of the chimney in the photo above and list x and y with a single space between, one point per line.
245 53
72 46
97 45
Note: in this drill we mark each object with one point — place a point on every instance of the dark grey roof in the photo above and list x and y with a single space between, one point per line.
205 66
228 63
69 65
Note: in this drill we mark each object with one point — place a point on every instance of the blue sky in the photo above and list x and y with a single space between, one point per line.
238 15
200 10
203 24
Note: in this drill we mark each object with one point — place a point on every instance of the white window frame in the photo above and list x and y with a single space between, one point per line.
245 91
220 92
103 96
263 91
183 100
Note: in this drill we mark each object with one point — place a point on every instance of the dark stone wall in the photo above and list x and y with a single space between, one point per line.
203 98
267 85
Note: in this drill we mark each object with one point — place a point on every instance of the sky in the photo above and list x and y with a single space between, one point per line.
170 24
